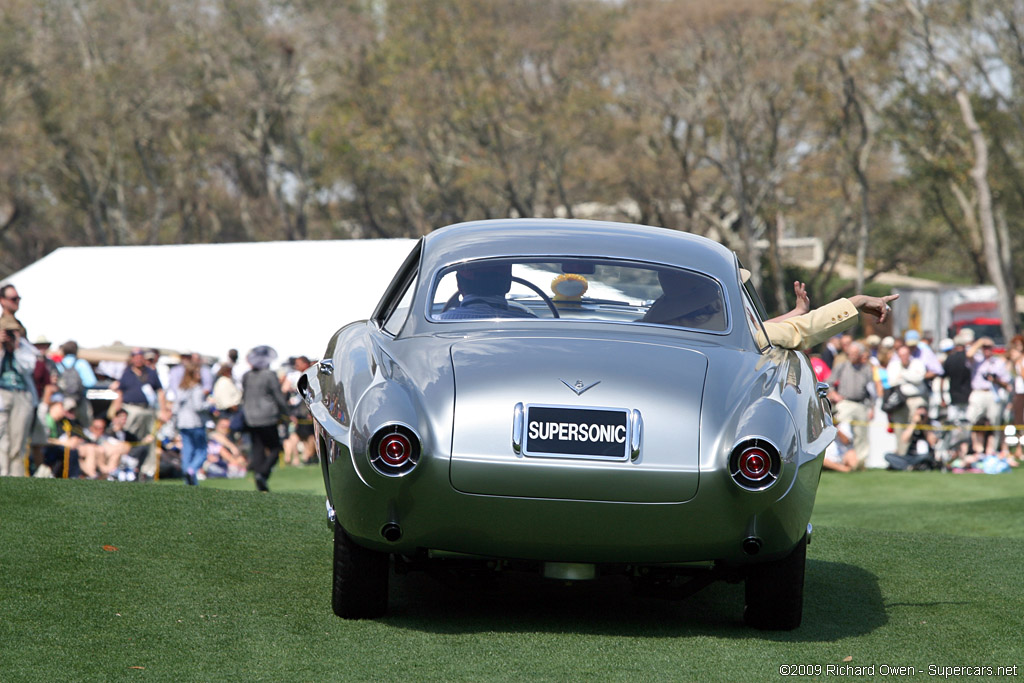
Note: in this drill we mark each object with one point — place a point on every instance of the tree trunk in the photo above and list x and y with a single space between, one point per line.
986 217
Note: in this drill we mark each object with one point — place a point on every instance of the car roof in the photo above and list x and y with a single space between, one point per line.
570 237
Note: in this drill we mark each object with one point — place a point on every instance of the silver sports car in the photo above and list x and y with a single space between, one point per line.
576 398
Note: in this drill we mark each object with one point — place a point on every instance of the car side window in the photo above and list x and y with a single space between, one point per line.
753 318
393 324
393 309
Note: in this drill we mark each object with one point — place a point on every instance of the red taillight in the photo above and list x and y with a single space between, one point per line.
755 464
395 449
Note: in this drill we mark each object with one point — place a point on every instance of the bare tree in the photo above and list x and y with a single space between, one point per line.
951 41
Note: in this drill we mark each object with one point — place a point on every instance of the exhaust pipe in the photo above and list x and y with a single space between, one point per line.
752 545
391 532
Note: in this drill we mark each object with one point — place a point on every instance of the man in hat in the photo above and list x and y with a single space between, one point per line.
46 370
17 396
989 375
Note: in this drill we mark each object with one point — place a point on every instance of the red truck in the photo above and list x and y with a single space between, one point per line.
983 318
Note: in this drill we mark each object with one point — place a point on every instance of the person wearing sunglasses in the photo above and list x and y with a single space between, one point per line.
10 302
17 396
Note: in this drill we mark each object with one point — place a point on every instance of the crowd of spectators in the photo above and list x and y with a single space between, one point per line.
151 416
956 405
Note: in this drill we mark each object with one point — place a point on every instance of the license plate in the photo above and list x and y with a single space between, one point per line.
553 431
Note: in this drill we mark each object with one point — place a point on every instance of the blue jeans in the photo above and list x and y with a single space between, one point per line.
193 449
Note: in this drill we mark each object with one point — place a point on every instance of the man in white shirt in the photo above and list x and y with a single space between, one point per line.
906 375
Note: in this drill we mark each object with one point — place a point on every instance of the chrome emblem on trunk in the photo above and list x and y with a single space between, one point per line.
579 387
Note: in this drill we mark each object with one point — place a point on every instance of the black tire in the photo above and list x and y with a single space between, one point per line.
775 592
360 587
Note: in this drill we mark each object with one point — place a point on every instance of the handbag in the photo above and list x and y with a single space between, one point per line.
894 399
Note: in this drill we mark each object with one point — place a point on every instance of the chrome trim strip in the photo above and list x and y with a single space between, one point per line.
826 406
518 426
636 428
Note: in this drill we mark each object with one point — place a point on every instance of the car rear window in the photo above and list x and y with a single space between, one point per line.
578 289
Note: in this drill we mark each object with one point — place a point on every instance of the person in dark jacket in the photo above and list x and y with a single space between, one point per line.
263 404
957 376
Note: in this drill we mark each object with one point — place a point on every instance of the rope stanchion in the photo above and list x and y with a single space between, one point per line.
158 448
67 450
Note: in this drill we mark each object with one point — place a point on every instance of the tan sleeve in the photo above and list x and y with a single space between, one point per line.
811 329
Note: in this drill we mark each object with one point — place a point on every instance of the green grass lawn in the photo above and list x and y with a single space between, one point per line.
107 581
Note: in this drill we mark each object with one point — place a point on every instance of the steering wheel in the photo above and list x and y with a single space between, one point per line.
453 300
544 297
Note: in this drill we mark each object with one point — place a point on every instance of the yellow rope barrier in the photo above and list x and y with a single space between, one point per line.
944 428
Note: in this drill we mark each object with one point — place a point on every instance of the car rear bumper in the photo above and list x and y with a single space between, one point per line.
424 512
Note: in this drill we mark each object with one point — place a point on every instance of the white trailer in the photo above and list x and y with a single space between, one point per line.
930 309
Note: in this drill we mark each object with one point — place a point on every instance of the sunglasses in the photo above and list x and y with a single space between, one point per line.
13 298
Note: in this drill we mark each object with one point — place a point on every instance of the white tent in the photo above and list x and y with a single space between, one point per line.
207 297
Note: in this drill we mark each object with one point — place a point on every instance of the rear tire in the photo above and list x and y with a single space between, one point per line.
775 592
360 587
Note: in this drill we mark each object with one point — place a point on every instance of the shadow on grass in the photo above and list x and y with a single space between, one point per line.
840 601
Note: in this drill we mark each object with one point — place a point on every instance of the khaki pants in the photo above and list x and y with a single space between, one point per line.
984 403
140 423
856 413
15 420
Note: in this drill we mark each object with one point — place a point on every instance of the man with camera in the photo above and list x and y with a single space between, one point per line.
17 396
917 440
989 375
